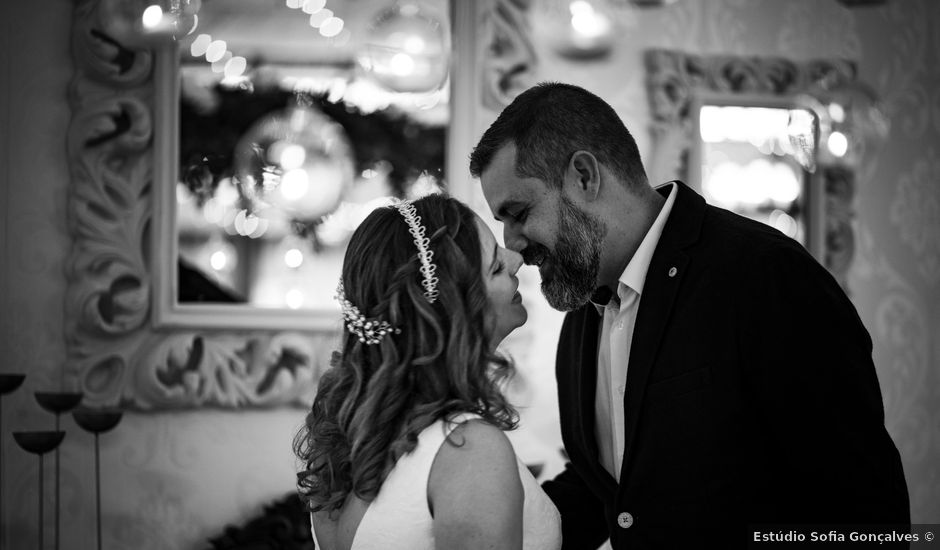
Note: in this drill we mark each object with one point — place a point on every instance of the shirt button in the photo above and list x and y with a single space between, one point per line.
673 271
625 520
621 389
620 325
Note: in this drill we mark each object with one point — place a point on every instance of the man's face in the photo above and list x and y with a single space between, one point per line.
548 229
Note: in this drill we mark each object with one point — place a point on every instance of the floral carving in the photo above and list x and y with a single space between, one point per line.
509 64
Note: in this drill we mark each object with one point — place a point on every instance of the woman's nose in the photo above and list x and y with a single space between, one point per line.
514 261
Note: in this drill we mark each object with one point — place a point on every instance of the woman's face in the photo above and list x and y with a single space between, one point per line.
506 312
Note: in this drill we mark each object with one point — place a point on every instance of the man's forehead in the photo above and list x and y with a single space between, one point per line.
498 181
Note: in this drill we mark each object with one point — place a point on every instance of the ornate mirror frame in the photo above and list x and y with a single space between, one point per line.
679 83
117 355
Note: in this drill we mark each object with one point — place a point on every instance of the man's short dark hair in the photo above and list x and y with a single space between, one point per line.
548 123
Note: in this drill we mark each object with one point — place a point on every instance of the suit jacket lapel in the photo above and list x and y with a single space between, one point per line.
667 268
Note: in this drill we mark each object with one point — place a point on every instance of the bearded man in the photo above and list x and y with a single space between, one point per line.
713 378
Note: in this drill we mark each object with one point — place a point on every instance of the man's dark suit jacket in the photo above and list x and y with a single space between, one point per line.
751 398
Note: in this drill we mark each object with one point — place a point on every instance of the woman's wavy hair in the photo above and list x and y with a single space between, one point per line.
375 399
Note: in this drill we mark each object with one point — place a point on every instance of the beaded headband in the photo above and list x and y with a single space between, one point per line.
425 255
371 331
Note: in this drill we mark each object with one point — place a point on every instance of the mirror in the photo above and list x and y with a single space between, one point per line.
748 160
741 132
280 157
131 342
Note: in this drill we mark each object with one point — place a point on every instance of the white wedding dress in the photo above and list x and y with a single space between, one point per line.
398 518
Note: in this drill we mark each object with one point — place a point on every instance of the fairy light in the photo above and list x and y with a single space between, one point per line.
200 45
311 7
317 19
294 298
216 51
293 258
331 27
152 17
838 144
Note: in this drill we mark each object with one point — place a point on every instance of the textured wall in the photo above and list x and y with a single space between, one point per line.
170 480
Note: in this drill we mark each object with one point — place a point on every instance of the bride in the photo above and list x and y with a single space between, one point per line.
404 446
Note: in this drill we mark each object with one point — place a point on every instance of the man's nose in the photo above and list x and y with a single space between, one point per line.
513 239
514 261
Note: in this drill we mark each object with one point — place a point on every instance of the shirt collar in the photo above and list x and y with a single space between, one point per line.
634 275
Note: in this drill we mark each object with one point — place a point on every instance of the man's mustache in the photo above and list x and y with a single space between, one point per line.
535 254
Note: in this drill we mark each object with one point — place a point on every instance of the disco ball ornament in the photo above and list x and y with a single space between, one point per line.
407 48
803 133
585 33
148 22
297 162
852 120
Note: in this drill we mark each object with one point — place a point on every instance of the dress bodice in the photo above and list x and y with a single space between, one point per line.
398 518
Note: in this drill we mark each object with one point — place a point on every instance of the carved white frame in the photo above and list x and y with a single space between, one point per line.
679 83
117 355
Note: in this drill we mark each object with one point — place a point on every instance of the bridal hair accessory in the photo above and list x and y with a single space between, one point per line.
369 331
425 255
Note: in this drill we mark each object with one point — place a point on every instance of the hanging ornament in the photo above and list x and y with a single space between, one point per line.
852 121
803 133
295 163
145 22
407 48
585 32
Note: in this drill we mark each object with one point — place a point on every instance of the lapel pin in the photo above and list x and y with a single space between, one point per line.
673 271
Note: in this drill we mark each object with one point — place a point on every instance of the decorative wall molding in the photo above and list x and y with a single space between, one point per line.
510 61
676 81
115 356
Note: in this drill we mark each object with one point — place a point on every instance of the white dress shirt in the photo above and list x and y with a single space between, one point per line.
613 350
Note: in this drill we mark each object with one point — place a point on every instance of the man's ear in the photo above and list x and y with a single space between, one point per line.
583 176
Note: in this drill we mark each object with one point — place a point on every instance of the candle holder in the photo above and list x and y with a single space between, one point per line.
39 443
57 403
97 421
9 383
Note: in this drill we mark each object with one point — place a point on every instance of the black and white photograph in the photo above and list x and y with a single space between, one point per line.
469 274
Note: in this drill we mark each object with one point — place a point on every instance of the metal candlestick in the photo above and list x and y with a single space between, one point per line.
39 443
8 384
97 422
58 403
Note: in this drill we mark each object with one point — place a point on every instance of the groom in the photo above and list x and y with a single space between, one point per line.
712 376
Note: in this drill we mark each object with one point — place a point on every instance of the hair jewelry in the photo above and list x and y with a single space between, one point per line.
425 255
369 331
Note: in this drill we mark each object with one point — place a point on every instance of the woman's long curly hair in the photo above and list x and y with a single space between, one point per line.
375 400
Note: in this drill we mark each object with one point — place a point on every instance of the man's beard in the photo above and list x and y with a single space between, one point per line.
576 260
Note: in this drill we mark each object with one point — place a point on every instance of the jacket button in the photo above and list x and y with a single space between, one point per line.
625 520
